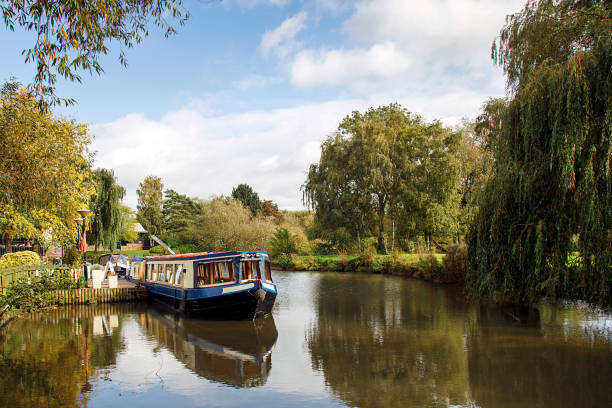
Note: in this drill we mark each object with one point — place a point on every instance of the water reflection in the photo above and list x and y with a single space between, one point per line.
48 359
552 359
337 339
236 353
383 343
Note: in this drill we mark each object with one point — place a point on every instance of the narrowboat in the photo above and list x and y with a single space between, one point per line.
220 285
235 353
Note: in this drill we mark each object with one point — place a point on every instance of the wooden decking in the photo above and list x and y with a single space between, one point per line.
121 283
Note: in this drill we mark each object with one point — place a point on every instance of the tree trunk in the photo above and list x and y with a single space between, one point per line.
392 235
358 240
9 242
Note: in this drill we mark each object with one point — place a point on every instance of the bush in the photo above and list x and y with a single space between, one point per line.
187 248
158 250
19 259
72 256
429 268
455 264
285 261
283 242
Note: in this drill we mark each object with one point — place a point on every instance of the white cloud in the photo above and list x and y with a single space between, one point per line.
398 43
204 156
281 40
341 66
447 30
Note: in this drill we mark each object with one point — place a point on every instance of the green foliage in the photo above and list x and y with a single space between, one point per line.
248 197
149 208
44 169
386 169
187 248
128 230
179 214
18 259
158 250
72 256
106 220
283 242
32 293
285 261
552 179
226 225
70 37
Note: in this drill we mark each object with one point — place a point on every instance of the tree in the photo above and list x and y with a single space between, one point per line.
227 225
552 184
248 197
107 219
44 169
384 167
128 230
270 209
179 214
336 189
149 207
71 37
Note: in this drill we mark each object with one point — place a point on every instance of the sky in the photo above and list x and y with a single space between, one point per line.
247 90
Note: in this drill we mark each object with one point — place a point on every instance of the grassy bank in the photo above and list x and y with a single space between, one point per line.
429 267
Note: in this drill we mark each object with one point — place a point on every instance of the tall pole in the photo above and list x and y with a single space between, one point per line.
83 213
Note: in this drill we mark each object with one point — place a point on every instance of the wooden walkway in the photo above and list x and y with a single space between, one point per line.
121 283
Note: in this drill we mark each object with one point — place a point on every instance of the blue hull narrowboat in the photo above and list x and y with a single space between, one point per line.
222 285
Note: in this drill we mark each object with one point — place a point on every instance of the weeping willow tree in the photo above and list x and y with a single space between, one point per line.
544 224
107 220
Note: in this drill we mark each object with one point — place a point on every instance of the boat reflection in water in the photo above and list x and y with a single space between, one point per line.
236 353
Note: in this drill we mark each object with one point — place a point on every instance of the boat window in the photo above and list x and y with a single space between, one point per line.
247 271
160 272
169 275
268 272
227 271
250 270
178 277
202 278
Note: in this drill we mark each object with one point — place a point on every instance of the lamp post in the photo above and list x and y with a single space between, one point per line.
83 213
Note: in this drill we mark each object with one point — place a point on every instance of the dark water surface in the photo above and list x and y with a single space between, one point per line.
333 340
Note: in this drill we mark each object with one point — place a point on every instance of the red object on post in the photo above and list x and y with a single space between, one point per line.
82 243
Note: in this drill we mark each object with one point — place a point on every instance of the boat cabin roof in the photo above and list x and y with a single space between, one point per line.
205 256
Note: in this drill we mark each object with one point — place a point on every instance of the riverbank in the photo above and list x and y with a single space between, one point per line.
434 267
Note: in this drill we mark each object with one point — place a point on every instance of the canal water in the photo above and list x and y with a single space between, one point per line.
334 340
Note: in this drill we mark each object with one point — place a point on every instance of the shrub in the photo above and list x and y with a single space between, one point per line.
455 264
283 242
429 268
157 250
19 258
285 261
187 248
72 256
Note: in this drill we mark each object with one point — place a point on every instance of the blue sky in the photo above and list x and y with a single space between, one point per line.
247 89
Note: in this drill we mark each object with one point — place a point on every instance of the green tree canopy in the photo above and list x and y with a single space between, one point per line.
70 37
180 213
386 166
248 197
128 230
552 181
44 169
149 208
107 220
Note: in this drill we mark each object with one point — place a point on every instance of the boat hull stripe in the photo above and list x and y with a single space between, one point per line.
237 288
